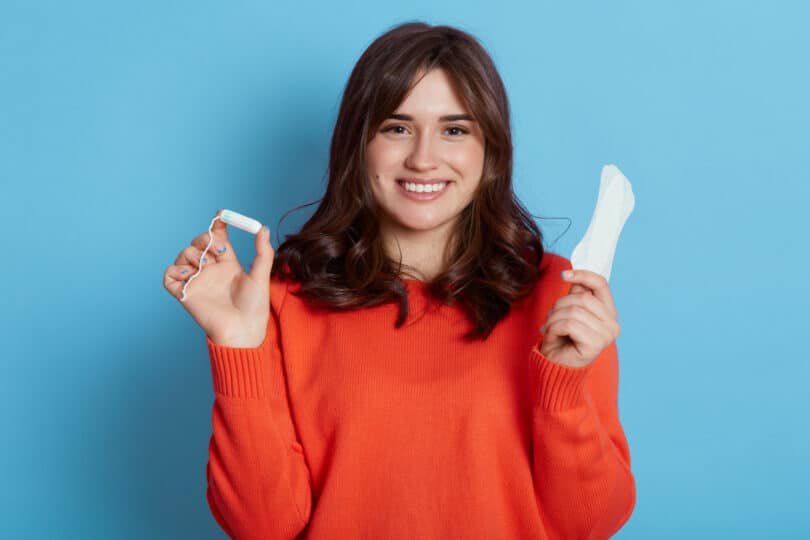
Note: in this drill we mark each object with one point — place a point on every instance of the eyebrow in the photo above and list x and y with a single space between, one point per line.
446 118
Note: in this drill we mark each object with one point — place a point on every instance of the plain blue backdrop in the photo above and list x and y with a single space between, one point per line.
123 128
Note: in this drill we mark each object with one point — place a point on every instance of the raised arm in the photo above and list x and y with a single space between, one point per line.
258 480
581 459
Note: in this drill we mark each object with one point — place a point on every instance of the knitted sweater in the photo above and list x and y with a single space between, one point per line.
340 426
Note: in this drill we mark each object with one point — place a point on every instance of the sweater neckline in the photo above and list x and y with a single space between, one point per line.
416 284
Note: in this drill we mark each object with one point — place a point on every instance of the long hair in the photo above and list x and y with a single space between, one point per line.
495 249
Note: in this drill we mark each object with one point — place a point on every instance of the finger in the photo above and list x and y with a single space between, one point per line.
577 288
577 323
219 230
595 282
589 302
217 250
582 337
191 256
584 316
216 241
263 262
172 284
181 272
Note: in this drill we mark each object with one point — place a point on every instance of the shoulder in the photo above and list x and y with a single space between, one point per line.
550 286
550 267
279 290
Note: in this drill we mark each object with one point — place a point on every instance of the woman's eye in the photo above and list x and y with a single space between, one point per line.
394 129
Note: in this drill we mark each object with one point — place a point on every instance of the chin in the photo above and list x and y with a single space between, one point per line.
417 224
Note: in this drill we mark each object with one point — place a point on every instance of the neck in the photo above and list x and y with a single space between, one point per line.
422 252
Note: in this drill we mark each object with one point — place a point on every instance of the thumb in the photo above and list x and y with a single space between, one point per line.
263 262
577 288
220 229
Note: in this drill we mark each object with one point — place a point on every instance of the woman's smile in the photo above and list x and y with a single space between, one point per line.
422 192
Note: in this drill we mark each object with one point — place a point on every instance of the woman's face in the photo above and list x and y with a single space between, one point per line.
418 144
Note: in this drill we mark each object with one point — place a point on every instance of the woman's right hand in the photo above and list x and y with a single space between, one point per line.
231 306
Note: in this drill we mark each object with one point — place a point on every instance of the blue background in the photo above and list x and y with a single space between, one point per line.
124 128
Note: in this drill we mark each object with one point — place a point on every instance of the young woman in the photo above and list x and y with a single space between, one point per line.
412 364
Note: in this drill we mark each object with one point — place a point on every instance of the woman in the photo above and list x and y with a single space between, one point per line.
387 379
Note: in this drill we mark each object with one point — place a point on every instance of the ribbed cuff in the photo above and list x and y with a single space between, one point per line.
558 387
239 372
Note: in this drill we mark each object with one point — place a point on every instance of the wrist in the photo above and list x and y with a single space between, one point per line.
242 342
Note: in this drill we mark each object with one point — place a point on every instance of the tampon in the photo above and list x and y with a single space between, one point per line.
231 218
613 206
241 222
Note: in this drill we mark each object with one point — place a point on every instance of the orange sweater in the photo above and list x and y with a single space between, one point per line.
340 426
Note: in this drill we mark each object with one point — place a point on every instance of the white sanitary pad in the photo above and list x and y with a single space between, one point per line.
615 203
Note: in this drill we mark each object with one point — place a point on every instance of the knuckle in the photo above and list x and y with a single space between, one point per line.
566 324
591 301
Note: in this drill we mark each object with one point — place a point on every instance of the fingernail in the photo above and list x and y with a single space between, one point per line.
566 274
204 259
184 272
222 249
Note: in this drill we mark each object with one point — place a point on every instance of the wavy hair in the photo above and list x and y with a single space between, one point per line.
494 251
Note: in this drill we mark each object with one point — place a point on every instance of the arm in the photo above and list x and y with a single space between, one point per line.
258 480
581 459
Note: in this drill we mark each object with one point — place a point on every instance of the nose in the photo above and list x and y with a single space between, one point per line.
423 154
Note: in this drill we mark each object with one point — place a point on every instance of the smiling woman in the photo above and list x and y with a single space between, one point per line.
356 417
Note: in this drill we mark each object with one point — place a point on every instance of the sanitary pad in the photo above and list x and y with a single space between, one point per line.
615 203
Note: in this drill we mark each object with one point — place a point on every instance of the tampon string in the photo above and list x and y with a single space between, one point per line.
231 218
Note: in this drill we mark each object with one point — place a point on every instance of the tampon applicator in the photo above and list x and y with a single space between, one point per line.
240 222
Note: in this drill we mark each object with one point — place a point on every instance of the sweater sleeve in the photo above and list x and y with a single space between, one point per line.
581 460
258 480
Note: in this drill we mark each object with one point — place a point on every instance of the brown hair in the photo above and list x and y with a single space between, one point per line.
495 249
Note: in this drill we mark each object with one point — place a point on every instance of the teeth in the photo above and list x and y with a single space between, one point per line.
424 188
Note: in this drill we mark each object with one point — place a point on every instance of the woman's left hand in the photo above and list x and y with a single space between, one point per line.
582 323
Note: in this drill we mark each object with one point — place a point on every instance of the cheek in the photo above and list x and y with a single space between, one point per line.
468 158
382 156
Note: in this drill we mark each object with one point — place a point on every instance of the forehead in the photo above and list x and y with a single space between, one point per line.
435 94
